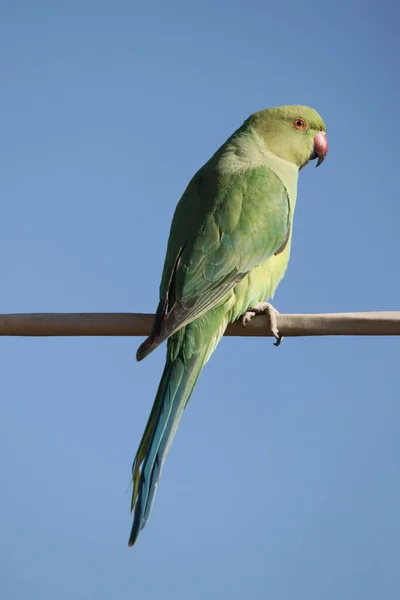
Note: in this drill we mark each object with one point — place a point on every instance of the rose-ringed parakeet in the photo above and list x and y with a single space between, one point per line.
228 249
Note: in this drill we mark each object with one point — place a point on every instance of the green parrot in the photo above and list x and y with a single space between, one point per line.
228 249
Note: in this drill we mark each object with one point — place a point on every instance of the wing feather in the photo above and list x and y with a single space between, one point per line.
223 227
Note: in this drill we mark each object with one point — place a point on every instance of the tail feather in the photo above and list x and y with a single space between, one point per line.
176 385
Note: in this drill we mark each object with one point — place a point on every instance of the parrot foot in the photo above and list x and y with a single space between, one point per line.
264 308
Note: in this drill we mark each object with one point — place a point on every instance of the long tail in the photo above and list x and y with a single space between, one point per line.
176 385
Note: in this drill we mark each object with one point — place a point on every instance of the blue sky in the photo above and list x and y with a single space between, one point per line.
283 480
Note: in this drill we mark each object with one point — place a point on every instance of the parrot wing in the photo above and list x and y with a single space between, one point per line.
223 227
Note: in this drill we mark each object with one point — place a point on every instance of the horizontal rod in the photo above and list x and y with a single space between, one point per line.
129 324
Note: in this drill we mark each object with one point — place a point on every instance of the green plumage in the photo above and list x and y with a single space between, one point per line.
228 249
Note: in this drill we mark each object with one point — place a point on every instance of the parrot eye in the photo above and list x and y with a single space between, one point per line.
299 124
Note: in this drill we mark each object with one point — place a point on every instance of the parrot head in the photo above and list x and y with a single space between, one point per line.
296 133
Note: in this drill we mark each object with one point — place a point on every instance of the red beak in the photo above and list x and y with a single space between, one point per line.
320 147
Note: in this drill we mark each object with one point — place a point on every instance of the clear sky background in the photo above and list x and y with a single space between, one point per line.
283 480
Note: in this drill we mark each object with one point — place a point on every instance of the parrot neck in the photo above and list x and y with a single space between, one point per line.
247 150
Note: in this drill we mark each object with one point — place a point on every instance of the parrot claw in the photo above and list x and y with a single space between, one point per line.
247 317
267 309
